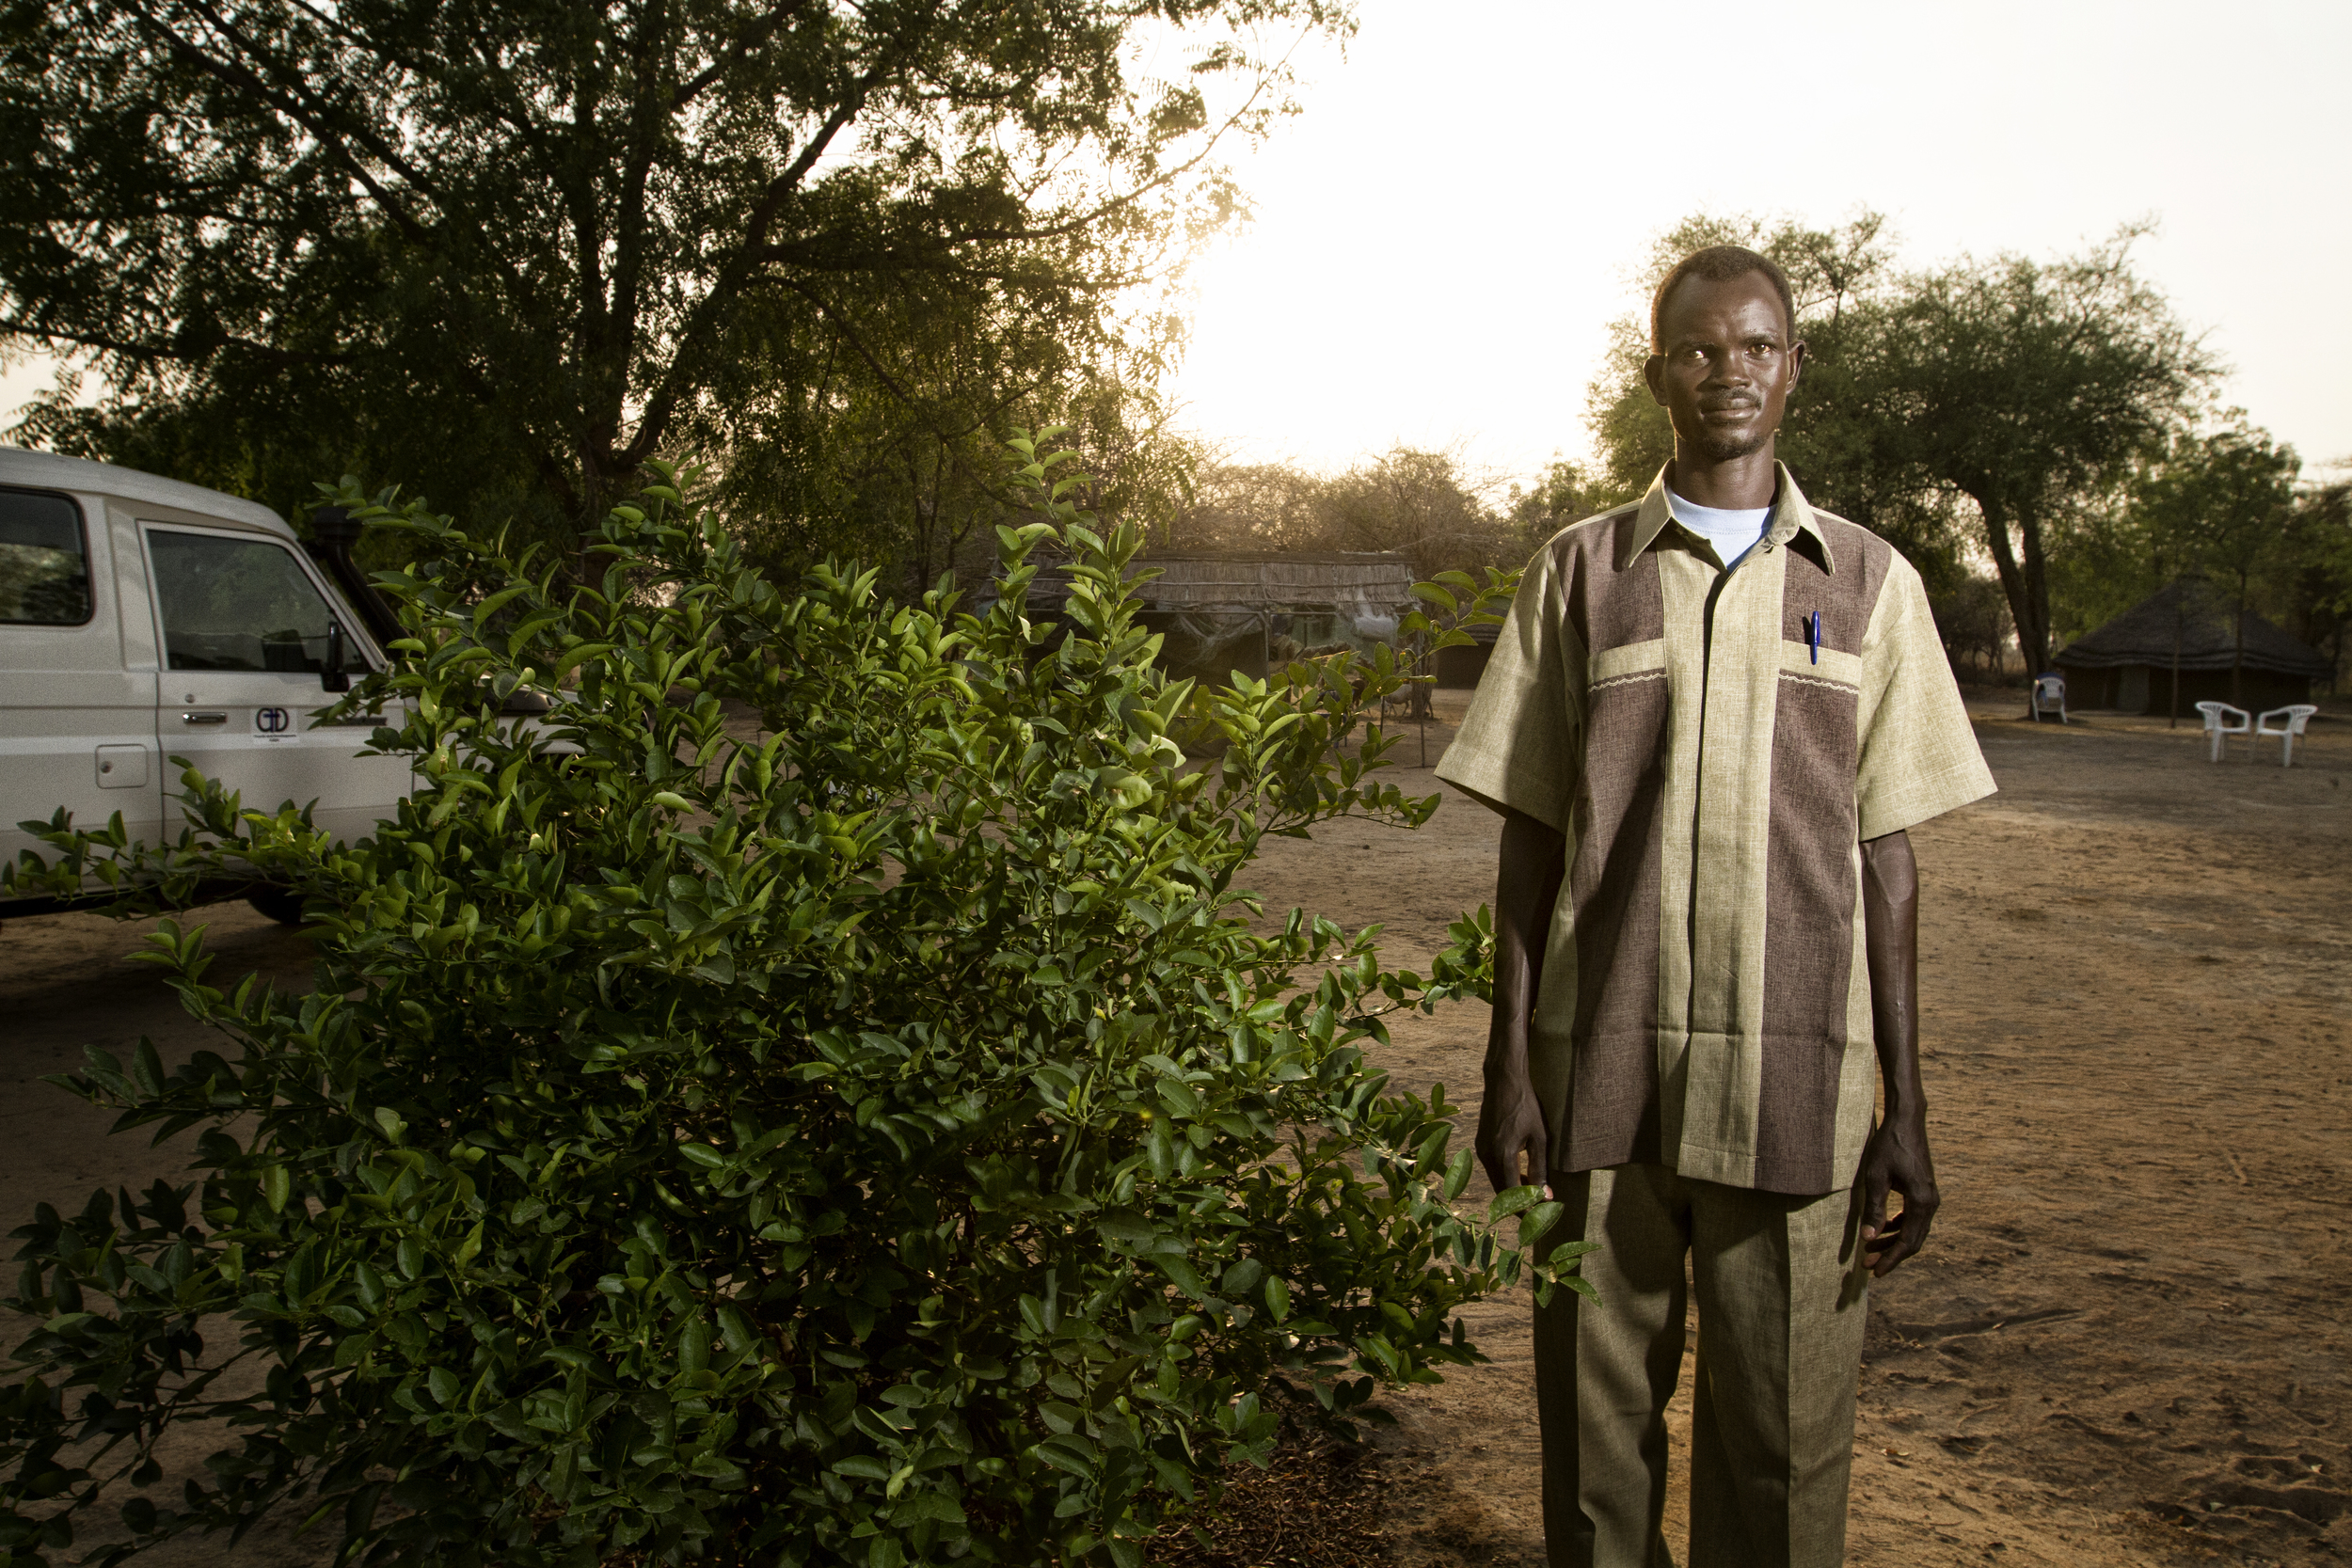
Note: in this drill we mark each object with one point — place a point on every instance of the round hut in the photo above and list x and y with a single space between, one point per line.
2186 644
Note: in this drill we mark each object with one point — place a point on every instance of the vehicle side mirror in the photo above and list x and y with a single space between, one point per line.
333 677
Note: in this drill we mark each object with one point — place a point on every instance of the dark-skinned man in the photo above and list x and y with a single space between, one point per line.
1707 722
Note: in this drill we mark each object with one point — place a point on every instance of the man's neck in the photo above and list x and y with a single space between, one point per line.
1740 484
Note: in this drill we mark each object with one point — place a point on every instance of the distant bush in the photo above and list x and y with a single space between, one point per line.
887 1140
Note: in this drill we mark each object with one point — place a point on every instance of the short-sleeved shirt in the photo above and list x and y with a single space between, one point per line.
1714 765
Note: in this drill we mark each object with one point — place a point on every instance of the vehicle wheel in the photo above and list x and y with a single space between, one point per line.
283 904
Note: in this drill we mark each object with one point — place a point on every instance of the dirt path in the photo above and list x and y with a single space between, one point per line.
68 981
2127 1343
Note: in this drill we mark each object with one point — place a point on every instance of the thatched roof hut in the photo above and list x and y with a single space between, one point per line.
1296 583
1223 611
2128 663
1461 667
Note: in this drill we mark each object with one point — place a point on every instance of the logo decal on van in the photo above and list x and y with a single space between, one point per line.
274 723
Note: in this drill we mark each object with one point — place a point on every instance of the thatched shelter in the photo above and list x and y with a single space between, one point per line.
1226 610
1461 667
2128 663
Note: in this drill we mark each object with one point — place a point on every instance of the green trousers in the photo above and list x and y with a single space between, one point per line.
1781 1295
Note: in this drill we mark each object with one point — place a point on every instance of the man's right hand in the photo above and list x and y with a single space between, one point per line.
1512 1143
1510 1131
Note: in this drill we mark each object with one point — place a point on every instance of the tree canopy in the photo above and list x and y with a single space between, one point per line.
2016 383
501 252
1426 504
2311 594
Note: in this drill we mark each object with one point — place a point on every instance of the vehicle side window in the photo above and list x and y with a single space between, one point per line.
45 566
238 604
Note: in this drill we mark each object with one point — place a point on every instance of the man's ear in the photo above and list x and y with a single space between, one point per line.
1796 362
1654 372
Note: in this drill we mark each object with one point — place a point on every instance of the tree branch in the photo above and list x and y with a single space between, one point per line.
234 74
266 352
738 271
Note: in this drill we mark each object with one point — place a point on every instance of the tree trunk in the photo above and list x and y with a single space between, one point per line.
2037 574
2025 581
598 481
926 526
2180 630
2237 655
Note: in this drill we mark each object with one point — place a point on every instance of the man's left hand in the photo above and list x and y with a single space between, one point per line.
1897 1159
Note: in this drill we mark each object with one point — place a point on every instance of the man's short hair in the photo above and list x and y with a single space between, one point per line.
1719 263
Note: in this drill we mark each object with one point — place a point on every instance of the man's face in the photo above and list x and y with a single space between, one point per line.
1729 365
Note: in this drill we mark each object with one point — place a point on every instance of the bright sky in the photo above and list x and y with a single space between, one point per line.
1445 233
18 383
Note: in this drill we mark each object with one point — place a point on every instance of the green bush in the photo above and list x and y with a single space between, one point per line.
891 1138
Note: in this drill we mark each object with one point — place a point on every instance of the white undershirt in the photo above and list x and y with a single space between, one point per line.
1732 533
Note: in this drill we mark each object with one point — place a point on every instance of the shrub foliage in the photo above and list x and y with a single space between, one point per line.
886 1134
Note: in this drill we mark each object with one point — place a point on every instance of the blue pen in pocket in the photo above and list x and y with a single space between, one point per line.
1812 637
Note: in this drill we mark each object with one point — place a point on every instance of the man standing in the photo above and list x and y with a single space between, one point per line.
1707 722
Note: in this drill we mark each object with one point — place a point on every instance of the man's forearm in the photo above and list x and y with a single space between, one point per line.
1527 885
1896 1159
1512 1143
1890 912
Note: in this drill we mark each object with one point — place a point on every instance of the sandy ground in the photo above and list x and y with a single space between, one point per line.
2127 1341
66 981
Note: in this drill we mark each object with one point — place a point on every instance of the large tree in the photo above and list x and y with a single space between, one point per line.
2219 505
1429 506
2019 384
1566 492
505 250
2312 596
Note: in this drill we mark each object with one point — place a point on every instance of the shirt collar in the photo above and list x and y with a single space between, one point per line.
1791 516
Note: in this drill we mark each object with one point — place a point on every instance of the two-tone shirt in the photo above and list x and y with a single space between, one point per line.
1715 746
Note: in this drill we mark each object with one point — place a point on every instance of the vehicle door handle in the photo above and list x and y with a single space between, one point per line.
204 719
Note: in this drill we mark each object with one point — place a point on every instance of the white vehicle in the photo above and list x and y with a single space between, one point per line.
143 619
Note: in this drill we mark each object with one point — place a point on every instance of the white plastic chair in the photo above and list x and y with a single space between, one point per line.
2292 719
2049 696
2222 720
